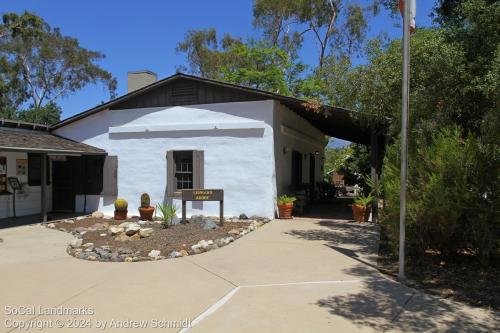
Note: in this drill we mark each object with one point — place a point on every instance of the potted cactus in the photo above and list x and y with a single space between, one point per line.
146 210
285 206
121 206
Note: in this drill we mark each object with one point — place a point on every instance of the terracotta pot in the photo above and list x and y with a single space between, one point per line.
146 213
120 214
285 210
361 213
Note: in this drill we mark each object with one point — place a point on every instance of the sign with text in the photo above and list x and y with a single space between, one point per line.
203 195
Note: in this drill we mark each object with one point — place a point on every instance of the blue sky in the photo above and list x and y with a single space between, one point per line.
143 34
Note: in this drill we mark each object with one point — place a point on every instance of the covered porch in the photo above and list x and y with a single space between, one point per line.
41 173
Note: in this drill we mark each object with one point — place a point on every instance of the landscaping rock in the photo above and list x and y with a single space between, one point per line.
132 229
103 235
122 238
124 225
51 225
209 224
88 245
234 232
78 218
97 215
76 242
175 254
129 259
154 254
197 218
121 250
135 237
145 232
80 230
115 230
184 253
175 220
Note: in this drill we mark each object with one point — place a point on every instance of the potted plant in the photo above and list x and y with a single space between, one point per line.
146 210
285 206
121 211
362 207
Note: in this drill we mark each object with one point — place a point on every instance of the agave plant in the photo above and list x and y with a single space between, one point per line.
167 213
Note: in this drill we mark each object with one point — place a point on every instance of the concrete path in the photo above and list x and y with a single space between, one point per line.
304 275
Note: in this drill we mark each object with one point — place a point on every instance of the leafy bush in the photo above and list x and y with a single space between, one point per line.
452 200
363 200
285 199
167 213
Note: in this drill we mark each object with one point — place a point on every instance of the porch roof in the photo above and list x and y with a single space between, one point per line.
34 138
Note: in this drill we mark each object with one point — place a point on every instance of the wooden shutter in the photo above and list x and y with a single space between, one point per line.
110 176
170 173
198 169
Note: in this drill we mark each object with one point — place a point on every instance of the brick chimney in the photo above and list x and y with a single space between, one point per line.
138 79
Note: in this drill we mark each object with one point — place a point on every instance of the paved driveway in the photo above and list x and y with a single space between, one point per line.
304 275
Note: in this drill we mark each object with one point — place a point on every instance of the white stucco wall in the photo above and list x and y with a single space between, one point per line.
28 201
239 154
293 132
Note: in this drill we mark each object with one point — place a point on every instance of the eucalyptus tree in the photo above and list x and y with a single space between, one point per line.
39 64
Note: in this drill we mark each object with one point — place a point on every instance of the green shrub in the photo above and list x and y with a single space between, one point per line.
167 213
285 199
363 200
452 201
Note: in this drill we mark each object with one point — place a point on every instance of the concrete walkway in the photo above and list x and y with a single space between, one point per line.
305 275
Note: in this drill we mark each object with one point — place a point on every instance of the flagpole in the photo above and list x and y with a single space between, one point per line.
404 139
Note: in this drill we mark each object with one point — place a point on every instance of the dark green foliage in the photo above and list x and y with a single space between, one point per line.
38 65
452 203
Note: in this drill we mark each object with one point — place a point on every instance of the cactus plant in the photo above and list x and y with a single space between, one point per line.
121 204
145 201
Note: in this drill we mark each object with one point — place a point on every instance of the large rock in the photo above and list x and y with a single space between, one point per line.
209 224
98 215
145 232
76 242
132 229
135 237
234 232
175 254
184 253
115 230
122 238
154 254
197 218
99 226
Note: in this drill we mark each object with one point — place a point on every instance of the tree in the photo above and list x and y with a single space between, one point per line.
41 65
335 24
252 64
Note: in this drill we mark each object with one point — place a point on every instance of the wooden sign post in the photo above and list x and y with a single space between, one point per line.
203 195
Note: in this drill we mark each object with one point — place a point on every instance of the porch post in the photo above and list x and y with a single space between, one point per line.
374 170
43 178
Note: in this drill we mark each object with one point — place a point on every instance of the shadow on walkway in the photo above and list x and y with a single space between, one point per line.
335 209
33 219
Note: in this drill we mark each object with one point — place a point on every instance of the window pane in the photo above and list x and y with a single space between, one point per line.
183 170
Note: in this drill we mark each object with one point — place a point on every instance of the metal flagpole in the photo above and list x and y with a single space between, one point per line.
404 138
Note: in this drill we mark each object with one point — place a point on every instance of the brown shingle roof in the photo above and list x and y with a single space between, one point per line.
19 139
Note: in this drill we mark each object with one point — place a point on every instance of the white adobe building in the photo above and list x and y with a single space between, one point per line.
183 132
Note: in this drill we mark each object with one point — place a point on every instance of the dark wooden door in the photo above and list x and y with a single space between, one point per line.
312 175
63 191
296 170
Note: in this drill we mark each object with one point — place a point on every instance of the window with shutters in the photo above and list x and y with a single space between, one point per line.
185 171
183 161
